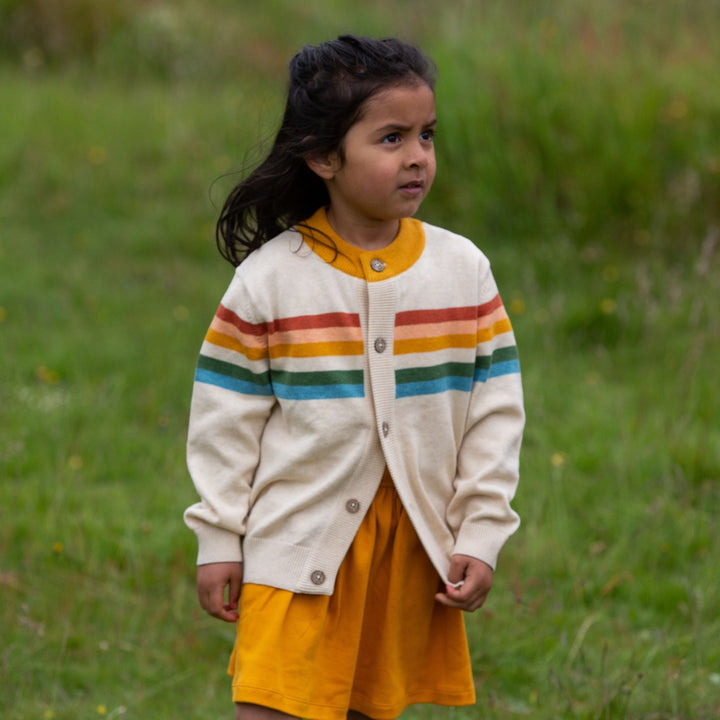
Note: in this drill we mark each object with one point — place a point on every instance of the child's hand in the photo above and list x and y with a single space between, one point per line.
476 579
212 580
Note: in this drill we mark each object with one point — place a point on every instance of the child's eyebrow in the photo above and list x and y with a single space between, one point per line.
394 127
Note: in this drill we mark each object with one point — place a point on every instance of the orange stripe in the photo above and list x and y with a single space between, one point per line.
407 345
232 343
232 330
491 305
227 315
485 321
316 335
429 330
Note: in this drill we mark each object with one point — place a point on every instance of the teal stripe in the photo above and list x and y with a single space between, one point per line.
230 383
434 379
321 385
485 362
503 361
504 368
205 362
456 376
318 392
232 377
433 387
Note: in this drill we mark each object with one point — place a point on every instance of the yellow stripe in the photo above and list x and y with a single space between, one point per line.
498 328
231 343
496 316
322 349
419 345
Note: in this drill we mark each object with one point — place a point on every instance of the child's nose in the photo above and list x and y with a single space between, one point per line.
418 156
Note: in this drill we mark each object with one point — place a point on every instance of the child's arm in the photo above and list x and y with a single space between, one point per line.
480 513
212 580
231 403
471 582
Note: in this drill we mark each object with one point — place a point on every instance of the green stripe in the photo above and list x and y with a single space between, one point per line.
322 377
421 374
234 371
485 362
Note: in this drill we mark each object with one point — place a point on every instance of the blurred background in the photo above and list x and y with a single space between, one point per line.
578 145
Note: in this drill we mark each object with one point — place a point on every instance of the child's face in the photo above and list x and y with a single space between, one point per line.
388 162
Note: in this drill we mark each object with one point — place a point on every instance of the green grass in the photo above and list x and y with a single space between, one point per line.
578 145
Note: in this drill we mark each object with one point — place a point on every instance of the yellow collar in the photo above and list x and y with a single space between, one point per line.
372 265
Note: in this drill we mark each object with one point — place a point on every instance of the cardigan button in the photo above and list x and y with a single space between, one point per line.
380 345
352 506
318 577
377 265
385 429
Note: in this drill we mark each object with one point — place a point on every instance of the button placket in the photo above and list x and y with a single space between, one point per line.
382 302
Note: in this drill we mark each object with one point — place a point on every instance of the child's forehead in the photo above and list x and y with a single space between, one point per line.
404 98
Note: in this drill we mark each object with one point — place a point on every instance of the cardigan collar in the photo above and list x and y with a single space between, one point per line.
371 265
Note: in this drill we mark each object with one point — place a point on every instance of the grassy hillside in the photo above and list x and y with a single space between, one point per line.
578 145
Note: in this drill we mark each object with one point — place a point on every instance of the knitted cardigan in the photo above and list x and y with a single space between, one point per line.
325 363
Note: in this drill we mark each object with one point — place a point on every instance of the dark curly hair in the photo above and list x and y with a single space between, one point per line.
329 86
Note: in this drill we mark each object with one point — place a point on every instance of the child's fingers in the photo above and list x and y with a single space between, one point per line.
452 597
457 570
470 592
218 608
456 598
212 580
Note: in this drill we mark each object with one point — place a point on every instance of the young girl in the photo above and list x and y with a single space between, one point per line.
357 409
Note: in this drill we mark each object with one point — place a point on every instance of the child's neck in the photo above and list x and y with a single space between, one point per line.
366 236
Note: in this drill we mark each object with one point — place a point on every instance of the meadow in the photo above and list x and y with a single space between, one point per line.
578 145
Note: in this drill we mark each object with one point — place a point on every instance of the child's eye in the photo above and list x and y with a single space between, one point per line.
391 138
427 135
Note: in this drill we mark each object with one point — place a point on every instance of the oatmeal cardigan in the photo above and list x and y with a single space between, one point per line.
324 364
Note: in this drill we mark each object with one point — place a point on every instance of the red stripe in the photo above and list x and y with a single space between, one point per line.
230 317
470 312
420 317
313 322
488 307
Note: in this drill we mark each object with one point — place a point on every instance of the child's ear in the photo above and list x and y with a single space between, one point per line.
324 165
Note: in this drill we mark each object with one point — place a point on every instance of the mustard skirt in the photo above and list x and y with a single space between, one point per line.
381 642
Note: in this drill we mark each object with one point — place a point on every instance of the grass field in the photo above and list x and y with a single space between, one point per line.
579 145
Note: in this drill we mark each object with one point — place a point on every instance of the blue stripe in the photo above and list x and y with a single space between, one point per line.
318 392
230 383
454 382
432 387
508 367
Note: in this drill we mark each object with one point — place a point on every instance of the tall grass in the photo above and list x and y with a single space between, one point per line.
577 146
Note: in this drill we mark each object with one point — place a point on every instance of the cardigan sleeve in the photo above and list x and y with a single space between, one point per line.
231 402
480 513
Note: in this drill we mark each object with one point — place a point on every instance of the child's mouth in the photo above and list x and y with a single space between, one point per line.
412 188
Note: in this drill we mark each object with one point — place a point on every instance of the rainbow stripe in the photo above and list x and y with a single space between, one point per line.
436 351
236 356
469 341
